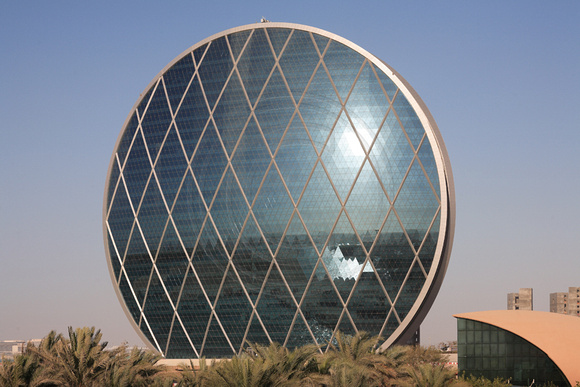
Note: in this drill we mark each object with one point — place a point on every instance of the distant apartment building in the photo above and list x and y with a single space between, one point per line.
566 303
524 300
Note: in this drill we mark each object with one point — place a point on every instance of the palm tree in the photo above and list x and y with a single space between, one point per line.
240 371
430 375
358 354
131 368
79 361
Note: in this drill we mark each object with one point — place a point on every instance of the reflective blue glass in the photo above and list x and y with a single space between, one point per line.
274 184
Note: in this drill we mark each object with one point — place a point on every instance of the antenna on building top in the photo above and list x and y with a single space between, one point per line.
264 20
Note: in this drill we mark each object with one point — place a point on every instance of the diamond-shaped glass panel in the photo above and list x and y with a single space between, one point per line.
343 156
231 113
298 62
194 309
274 110
156 122
137 170
319 207
255 64
171 166
177 78
192 117
296 158
276 308
278 37
209 163
214 70
343 65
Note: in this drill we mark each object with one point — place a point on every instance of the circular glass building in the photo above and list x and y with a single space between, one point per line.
276 182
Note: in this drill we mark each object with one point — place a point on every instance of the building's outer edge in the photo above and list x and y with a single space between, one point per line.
447 189
554 334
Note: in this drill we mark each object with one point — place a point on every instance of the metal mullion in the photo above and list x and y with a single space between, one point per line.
290 330
403 126
244 340
335 330
214 313
424 170
387 319
381 85
425 238
184 331
277 57
401 289
110 204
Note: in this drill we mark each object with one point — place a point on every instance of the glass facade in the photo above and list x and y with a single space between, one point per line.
273 183
492 352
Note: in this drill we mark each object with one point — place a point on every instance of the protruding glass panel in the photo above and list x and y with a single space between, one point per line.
188 213
391 155
296 158
152 216
344 257
410 291
321 307
231 113
428 160
127 138
198 53
273 208
427 251
299 336
416 203
192 117
177 78
171 166
367 205
251 160
210 261
179 347
137 170
252 259
209 163
298 62
229 210
276 308
343 63
297 257
233 309
194 309
392 255
321 42
256 333
411 123
145 101
121 220
368 305
129 299
343 156
274 110
171 262
388 84
156 122
367 105
319 207
215 69
237 41
216 344
256 64
278 37
320 108
159 311
138 265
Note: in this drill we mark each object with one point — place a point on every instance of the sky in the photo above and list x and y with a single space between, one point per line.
501 78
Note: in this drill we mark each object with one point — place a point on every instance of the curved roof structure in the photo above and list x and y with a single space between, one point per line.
557 335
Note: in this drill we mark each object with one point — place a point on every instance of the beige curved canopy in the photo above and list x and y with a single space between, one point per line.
557 335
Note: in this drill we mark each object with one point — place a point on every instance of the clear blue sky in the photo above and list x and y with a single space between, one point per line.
501 78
